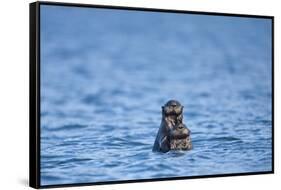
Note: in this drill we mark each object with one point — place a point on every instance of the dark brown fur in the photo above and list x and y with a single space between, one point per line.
172 134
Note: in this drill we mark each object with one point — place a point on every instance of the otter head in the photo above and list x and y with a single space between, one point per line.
172 107
180 131
172 112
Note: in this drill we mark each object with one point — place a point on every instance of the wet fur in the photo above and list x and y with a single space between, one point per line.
172 134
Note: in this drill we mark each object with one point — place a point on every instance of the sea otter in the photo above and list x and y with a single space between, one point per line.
172 134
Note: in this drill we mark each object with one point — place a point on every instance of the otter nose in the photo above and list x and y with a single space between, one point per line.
180 126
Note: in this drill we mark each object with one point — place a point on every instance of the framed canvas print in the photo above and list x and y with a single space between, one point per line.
123 94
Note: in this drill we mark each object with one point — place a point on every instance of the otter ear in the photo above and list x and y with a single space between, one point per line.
163 109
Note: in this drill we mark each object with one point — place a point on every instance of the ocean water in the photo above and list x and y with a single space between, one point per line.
106 73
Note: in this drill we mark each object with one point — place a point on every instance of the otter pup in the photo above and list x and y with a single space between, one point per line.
172 134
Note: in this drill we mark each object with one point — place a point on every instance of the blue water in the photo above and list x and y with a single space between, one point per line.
106 73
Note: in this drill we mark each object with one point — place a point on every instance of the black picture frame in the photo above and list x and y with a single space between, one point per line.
34 91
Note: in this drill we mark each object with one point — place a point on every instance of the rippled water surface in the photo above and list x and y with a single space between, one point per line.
106 73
